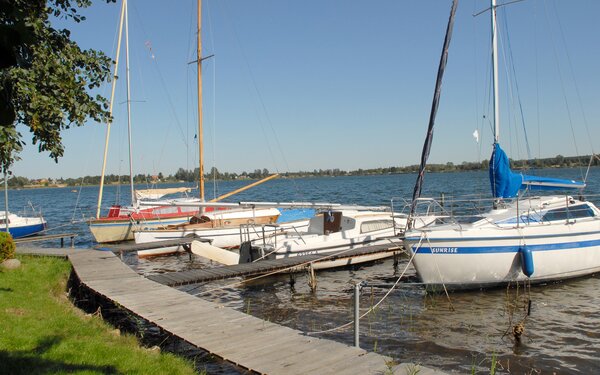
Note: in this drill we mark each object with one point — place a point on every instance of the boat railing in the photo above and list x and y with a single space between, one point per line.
29 210
460 210
248 232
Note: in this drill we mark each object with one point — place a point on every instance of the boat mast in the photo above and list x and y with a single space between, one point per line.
495 71
199 63
432 114
133 201
110 109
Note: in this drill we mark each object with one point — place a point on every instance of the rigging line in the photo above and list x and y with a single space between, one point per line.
190 57
214 101
163 84
537 79
477 118
509 98
266 114
562 83
94 138
565 45
516 83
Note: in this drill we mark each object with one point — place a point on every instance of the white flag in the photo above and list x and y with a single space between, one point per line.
476 135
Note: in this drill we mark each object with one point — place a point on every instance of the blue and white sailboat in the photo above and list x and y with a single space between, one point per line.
21 226
524 237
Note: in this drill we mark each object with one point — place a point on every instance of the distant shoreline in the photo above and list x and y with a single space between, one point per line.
289 175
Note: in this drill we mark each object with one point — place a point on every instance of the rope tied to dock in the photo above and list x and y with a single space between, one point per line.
373 307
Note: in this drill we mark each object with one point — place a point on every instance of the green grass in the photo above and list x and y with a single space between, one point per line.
41 332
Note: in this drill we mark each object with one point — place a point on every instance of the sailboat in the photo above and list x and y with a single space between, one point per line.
522 238
19 226
221 224
120 221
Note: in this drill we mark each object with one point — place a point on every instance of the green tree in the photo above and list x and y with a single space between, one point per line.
45 76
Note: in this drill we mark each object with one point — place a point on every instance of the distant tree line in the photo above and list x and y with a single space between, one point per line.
184 175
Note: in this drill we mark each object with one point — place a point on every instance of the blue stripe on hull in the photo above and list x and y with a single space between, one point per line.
23 231
501 249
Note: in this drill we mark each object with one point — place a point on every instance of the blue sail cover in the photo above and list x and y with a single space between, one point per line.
506 183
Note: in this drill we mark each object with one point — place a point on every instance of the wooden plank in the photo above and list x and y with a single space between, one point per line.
320 357
44 237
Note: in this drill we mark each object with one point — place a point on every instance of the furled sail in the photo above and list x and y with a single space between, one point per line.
506 183
159 193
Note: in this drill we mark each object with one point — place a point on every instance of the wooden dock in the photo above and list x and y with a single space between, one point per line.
292 264
46 251
243 340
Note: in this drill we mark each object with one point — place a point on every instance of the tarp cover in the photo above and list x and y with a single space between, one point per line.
506 184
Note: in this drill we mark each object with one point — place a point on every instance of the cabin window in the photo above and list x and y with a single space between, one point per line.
575 212
3 221
371 226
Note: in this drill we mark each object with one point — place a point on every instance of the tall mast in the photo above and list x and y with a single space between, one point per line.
495 71
128 103
199 62
432 114
110 109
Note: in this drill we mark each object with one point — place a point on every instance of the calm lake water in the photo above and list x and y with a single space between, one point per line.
457 334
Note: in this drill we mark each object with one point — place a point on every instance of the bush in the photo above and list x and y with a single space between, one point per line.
7 246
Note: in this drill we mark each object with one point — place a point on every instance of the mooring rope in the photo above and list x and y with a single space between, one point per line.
372 308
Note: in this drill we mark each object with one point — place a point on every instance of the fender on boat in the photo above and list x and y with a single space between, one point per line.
526 260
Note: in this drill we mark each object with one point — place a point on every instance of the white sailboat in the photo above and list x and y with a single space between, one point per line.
119 223
523 237
223 227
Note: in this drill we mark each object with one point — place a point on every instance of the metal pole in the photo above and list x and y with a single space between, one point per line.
495 72
356 314
6 201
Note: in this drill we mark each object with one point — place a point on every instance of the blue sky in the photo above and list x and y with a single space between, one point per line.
303 85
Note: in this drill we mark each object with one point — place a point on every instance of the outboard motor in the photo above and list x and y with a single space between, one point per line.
246 252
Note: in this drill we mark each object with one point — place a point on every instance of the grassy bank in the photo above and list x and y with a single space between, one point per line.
42 332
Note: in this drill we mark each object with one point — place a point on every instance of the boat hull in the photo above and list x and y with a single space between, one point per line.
223 237
484 258
224 231
21 226
25 230
121 229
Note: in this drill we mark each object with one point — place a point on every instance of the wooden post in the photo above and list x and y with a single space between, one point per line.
312 279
